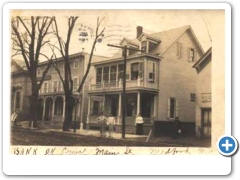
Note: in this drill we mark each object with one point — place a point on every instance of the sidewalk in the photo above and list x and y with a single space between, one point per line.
180 141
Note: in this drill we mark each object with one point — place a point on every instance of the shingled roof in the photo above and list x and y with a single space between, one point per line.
166 38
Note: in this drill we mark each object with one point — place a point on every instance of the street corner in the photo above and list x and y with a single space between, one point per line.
227 145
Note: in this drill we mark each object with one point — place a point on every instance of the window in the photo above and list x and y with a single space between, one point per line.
99 75
45 87
113 73
120 71
55 86
172 108
96 108
191 55
38 71
18 100
179 50
60 85
75 84
76 64
192 97
144 46
151 71
136 70
106 74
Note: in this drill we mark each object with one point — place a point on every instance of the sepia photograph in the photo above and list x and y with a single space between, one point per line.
119 79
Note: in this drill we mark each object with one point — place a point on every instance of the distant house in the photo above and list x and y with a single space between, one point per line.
160 84
51 103
20 87
203 95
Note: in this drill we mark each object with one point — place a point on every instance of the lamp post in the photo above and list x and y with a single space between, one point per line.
124 48
76 98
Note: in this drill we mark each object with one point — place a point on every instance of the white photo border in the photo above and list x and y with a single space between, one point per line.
96 165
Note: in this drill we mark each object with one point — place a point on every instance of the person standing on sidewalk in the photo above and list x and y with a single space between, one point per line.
139 124
111 122
102 121
15 117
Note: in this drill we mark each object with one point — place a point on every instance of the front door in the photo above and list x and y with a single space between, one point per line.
206 122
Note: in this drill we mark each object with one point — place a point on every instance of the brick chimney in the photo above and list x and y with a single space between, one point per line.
139 30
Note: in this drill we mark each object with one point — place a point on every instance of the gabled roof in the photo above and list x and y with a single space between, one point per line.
203 58
167 38
148 36
133 42
170 36
20 64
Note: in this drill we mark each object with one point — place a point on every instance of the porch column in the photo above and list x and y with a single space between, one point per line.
103 110
119 108
63 115
80 113
44 108
138 103
53 107
89 109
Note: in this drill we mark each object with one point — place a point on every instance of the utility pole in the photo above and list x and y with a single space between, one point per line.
124 48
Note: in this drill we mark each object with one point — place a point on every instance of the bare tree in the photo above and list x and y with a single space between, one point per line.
28 40
68 81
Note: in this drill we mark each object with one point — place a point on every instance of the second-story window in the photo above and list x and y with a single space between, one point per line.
136 70
60 86
75 84
76 64
106 73
113 73
99 75
120 71
45 87
55 86
151 71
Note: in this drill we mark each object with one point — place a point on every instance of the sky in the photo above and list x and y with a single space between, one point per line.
123 23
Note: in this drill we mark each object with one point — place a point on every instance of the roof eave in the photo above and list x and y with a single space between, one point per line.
129 57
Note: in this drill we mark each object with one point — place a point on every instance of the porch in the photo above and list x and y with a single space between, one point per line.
51 111
136 102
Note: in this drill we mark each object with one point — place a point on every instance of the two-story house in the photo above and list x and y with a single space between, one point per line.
160 80
204 95
20 88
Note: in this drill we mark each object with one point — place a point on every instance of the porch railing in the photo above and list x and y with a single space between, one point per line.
115 85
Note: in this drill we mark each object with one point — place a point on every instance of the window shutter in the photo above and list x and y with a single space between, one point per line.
180 51
177 52
176 110
195 55
188 54
168 108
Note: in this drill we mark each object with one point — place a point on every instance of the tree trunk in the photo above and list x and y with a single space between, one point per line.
33 107
68 112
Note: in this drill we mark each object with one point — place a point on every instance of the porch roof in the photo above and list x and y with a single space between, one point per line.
128 58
